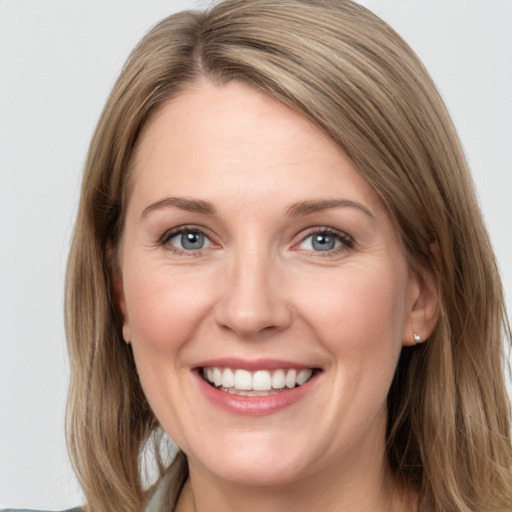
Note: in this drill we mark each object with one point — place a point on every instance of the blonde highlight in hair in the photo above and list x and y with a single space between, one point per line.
352 75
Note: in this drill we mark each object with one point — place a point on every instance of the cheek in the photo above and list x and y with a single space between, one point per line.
358 315
164 307
358 308
164 312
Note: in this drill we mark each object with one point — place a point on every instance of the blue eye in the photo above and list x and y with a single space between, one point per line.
188 240
325 241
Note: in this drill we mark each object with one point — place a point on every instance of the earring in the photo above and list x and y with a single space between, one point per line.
417 338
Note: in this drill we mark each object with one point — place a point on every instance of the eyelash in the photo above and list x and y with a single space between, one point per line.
346 241
182 230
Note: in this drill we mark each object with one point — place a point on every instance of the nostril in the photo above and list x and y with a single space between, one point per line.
250 301
247 319
249 324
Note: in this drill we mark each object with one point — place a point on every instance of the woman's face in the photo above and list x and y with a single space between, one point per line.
256 257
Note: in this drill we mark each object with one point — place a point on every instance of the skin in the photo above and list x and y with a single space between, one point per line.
258 289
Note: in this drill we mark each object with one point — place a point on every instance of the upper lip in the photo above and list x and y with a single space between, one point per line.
251 364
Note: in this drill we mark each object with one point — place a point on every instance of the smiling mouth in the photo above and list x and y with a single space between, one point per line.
257 383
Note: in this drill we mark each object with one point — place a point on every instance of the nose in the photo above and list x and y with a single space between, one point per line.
253 300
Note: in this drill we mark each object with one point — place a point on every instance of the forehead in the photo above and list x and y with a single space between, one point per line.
222 142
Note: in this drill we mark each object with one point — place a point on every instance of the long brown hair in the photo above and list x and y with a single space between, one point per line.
351 74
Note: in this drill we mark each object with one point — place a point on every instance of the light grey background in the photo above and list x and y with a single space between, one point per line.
58 61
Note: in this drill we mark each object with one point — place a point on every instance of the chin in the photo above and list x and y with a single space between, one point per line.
256 473
259 462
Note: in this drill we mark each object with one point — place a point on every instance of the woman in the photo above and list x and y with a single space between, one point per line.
279 261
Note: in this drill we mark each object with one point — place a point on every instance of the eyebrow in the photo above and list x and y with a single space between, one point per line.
306 207
189 205
298 209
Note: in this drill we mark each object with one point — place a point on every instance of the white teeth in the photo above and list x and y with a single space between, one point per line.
290 378
243 380
278 379
303 376
259 381
228 378
217 377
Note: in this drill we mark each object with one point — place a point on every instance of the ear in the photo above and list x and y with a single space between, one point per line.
118 289
423 307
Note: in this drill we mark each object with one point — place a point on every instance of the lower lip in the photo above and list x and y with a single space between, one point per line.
255 405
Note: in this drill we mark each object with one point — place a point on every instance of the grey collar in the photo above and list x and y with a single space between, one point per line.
165 494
